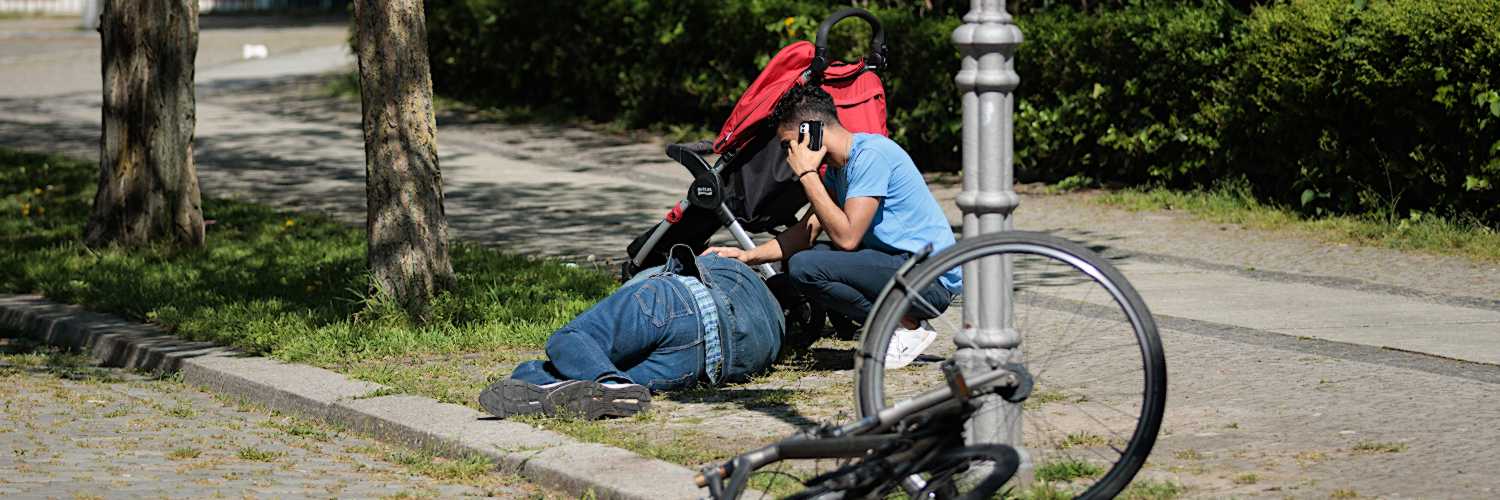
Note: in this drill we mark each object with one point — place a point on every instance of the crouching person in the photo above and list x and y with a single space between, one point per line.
695 320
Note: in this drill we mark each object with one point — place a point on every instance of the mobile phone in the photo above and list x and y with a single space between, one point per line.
812 131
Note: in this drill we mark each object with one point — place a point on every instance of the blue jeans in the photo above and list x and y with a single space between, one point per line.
849 282
649 331
646 333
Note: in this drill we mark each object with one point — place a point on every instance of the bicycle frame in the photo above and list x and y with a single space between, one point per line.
857 439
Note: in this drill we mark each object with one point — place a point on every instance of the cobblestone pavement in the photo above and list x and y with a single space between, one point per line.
70 430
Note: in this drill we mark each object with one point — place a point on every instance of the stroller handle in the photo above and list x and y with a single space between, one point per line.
876 57
700 147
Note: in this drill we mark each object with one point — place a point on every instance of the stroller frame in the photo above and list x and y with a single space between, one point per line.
705 192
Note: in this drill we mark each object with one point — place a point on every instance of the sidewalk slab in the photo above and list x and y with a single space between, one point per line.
285 387
1305 310
536 454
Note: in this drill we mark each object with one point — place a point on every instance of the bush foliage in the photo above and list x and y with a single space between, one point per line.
1323 105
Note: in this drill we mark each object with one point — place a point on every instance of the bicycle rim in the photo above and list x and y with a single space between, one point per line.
1086 337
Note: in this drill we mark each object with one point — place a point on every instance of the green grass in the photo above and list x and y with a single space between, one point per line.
1151 489
1067 470
20 354
1379 447
1231 202
1188 454
287 285
254 454
184 453
298 428
1082 440
443 469
182 410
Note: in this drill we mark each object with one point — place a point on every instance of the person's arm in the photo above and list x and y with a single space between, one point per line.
845 226
795 239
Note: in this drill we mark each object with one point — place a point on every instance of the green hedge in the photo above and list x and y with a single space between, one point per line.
1374 105
1336 105
1123 95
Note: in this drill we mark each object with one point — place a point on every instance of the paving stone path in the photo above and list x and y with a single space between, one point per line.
70 430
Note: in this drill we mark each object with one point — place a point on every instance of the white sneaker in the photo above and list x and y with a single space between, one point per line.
906 345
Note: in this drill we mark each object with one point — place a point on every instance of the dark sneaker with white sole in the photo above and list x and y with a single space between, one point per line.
581 398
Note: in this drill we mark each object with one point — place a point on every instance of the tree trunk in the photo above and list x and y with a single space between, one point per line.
148 187
408 231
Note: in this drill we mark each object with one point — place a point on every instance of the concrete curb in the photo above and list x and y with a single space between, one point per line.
538 455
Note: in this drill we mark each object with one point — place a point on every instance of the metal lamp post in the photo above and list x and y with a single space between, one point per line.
988 40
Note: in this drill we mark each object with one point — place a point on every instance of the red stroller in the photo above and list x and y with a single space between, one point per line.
749 189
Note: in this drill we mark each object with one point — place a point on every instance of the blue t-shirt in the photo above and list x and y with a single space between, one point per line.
909 217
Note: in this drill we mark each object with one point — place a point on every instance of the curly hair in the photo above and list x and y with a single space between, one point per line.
803 103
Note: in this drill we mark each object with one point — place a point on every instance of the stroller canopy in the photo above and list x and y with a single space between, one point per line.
858 94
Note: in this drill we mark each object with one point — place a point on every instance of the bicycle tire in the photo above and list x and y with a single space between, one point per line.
886 316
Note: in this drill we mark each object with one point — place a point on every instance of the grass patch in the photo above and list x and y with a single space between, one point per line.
21 354
1082 440
184 453
254 454
1071 183
1043 397
1310 457
1188 454
1247 478
1151 489
1067 470
779 484
1379 447
286 285
297 428
1344 493
443 469
1232 202
182 410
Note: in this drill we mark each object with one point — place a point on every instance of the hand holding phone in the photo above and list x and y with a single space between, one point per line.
805 156
812 132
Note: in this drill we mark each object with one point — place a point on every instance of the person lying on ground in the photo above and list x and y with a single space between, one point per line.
875 208
707 320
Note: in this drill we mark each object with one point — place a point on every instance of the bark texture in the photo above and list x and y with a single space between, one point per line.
408 230
148 186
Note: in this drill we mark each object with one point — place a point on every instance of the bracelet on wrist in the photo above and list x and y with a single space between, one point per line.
813 171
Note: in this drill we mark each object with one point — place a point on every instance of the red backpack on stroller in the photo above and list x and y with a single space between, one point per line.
750 189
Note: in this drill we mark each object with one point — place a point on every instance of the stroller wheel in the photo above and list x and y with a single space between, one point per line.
843 328
804 320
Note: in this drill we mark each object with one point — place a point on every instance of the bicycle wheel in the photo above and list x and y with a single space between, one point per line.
1087 338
